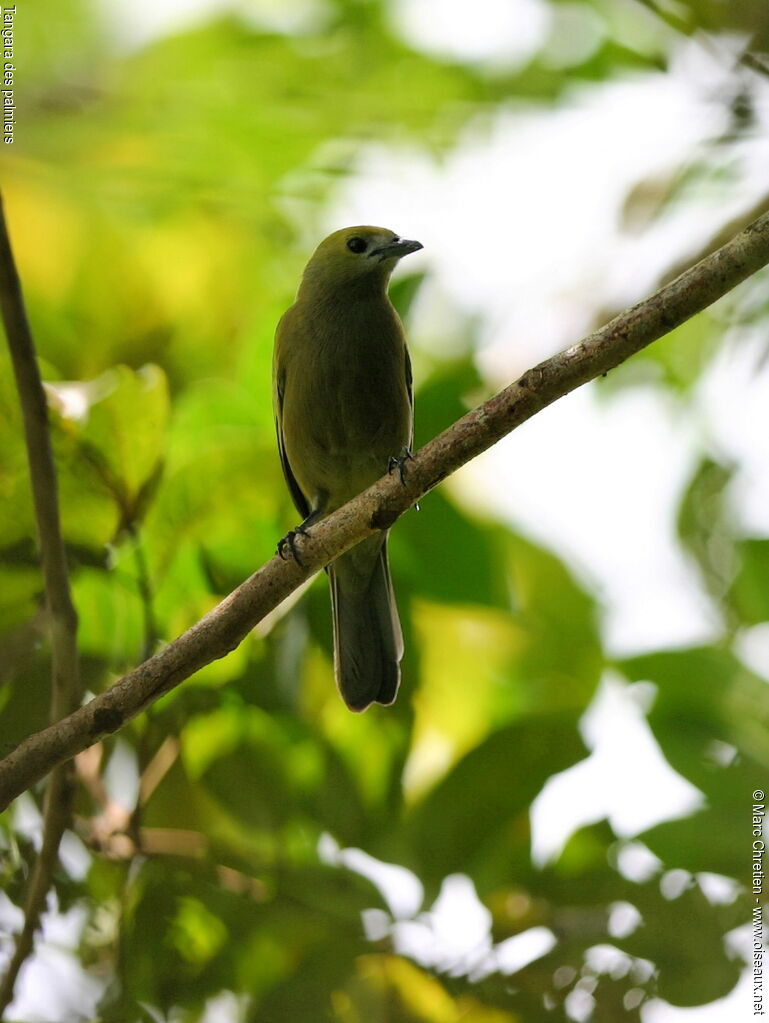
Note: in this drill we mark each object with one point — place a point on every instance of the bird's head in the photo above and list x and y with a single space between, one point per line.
356 256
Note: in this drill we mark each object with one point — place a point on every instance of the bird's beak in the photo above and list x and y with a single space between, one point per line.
397 248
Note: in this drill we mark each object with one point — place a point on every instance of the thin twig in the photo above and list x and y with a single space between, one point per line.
758 62
718 238
223 628
752 61
62 618
146 596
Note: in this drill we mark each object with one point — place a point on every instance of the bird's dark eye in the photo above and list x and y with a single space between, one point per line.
356 244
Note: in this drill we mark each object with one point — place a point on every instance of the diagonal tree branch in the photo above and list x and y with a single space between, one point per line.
62 618
223 628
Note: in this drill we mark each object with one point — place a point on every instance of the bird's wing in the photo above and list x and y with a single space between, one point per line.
298 497
410 389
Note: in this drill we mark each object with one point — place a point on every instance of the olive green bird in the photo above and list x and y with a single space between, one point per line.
344 415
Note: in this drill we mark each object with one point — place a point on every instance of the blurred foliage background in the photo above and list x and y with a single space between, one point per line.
227 857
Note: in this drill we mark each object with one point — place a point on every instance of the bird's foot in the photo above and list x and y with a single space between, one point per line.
287 546
399 462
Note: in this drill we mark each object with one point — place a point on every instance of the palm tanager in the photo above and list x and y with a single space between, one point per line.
343 405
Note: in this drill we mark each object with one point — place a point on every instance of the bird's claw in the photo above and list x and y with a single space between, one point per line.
288 543
399 462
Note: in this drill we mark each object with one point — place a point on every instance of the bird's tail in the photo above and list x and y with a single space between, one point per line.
368 642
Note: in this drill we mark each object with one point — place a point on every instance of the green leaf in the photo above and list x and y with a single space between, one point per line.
711 719
684 937
448 556
705 841
561 658
111 619
20 592
123 440
248 775
706 702
705 525
676 364
749 594
476 819
444 397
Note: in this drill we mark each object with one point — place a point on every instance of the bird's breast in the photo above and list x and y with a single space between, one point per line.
349 408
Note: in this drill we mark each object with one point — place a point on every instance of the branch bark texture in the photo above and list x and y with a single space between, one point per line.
223 628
